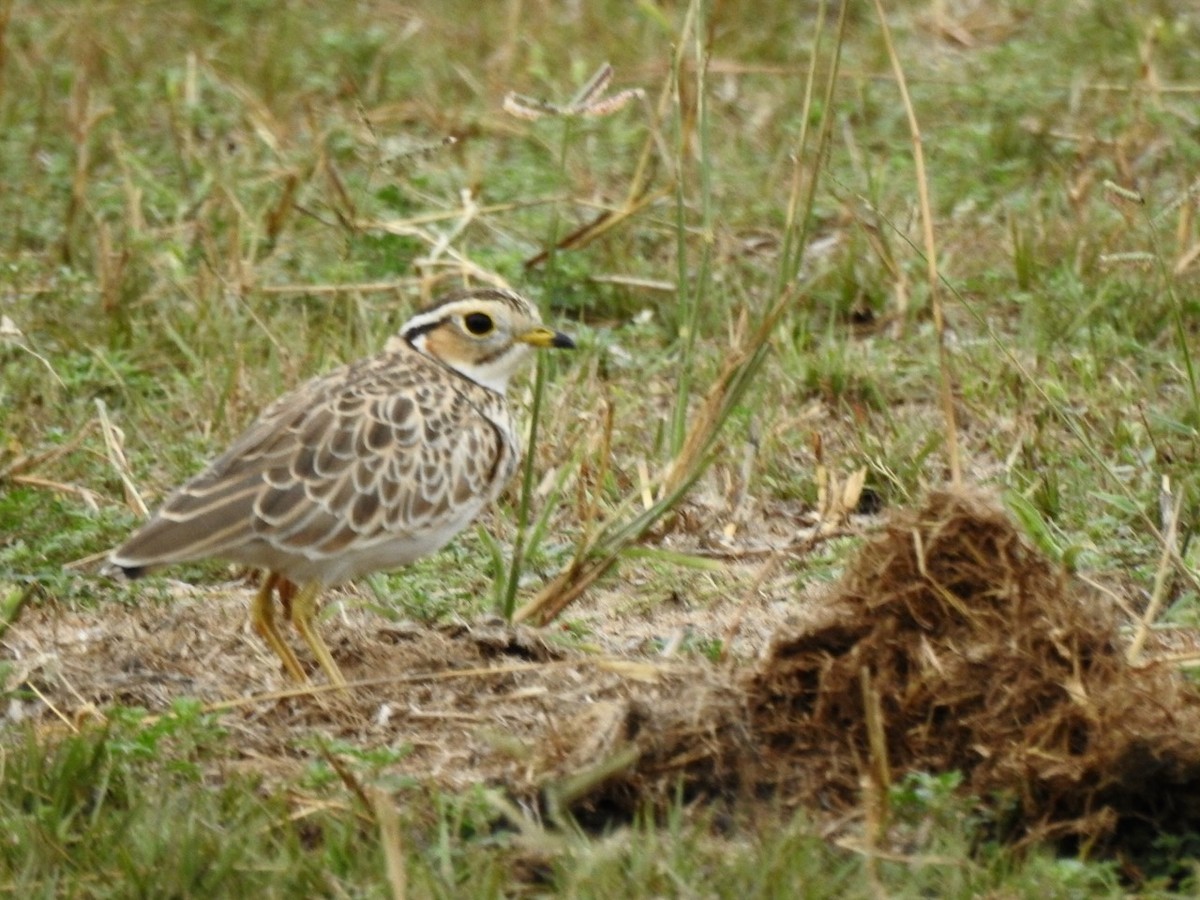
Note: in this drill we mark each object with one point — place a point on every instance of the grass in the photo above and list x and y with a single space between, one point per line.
206 204
105 814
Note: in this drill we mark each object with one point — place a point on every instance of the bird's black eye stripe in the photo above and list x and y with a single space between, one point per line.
417 330
478 323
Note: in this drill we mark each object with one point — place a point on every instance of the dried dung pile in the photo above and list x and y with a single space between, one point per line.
976 654
983 657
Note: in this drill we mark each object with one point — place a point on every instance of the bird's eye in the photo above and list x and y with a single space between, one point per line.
478 323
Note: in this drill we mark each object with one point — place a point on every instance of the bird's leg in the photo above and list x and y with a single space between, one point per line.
286 589
304 607
262 615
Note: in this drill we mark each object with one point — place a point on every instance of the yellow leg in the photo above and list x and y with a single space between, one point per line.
262 615
304 607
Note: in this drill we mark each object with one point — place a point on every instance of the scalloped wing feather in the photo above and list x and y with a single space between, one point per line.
387 458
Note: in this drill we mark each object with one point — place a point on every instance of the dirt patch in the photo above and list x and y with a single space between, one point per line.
967 649
457 705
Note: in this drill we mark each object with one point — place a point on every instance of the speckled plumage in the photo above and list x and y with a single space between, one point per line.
364 469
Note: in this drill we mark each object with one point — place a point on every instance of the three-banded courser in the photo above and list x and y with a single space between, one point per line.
361 470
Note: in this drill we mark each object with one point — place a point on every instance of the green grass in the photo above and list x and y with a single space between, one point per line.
125 811
200 211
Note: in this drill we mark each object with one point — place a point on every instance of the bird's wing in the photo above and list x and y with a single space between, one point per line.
376 451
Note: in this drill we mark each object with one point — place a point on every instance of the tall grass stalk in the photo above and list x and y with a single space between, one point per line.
529 470
929 243
1177 319
528 473
797 220
692 285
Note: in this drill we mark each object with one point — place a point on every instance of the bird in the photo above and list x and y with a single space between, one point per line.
363 469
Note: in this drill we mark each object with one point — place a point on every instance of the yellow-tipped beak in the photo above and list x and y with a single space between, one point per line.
545 337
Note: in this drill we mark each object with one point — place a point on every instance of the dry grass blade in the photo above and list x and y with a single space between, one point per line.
348 778
930 249
603 223
600 551
1170 549
391 840
562 793
11 334
876 779
113 445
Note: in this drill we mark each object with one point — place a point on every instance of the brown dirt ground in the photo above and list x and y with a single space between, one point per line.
964 647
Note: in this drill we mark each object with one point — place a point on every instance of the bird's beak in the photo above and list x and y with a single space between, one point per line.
545 337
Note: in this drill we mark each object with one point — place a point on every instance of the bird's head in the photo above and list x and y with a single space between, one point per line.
486 334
